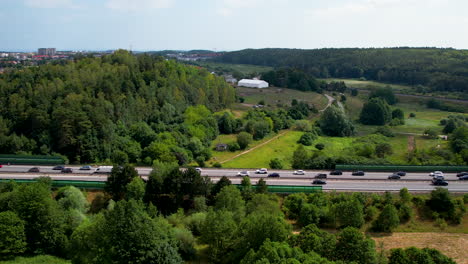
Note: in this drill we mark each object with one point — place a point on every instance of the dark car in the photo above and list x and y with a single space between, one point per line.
67 170
463 178
336 172
400 173
274 174
460 174
320 176
439 182
319 182
86 167
394 177
358 173
59 167
34 169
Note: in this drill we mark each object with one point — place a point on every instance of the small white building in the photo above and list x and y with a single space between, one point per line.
252 83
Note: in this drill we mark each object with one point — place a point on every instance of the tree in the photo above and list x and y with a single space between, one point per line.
223 182
226 123
441 202
352 245
375 112
385 93
349 213
244 139
405 196
398 114
276 164
383 149
262 187
230 199
431 133
314 239
136 189
334 122
307 138
354 92
219 232
300 157
71 198
12 236
118 179
459 139
246 188
387 220
415 255
309 214
320 146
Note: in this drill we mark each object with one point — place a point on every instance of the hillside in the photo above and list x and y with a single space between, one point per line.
436 69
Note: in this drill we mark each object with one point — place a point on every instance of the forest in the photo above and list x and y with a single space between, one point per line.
437 69
119 106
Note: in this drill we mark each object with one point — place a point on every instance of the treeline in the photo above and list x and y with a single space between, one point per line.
118 107
292 79
164 219
438 69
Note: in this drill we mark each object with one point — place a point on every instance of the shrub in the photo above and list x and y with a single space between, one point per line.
440 222
319 146
217 165
412 115
276 164
307 139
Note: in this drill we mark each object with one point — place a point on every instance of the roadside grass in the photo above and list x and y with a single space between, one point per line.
281 148
272 96
41 259
242 68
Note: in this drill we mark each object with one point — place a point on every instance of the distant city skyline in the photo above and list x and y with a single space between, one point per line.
227 25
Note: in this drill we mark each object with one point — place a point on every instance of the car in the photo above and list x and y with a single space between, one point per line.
394 177
67 170
319 182
358 173
199 170
463 178
34 169
86 167
400 173
261 171
243 173
439 182
274 174
460 174
436 173
320 176
438 177
299 172
59 167
336 172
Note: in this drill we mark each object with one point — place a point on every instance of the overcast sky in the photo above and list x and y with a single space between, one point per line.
231 24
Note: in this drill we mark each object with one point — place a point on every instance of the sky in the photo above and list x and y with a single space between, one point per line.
226 25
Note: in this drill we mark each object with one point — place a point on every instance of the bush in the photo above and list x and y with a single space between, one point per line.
384 130
233 146
405 212
307 139
387 220
244 139
276 164
319 146
412 115
440 222
217 165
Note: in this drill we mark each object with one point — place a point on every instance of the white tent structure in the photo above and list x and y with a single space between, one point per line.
252 83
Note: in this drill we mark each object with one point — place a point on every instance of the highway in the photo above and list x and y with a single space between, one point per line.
372 181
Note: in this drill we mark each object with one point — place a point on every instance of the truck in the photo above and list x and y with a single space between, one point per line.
103 170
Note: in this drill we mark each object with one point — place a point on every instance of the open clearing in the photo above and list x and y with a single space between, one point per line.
453 245
229 68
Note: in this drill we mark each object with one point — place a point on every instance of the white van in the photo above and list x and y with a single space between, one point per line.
104 169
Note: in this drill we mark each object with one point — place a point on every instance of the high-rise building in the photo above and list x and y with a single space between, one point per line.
46 51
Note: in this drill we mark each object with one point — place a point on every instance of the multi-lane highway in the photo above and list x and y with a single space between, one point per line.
372 181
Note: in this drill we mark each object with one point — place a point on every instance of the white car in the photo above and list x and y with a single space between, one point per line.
198 169
243 173
261 171
436 173
299 172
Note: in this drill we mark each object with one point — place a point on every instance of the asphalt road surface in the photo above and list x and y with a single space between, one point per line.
372 181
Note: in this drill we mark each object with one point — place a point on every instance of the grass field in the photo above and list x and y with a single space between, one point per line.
42 259
353 83
274 96
229 68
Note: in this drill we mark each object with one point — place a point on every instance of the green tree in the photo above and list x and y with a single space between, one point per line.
334 122
383 149
398 114
223 182
219 232
262 186
459 139
431 133
244 139
12 235
246 188
135 189
385 93
349 213
388 219
375 112
352 245
441 202
300 157
230 199
118 179
314 239
276 163
307 139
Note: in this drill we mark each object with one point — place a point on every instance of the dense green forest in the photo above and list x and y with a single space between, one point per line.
438 69
180 216
120 107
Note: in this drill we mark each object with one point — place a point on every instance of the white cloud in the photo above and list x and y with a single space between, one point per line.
134 5
49 3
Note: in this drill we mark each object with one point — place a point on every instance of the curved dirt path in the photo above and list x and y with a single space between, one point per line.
330 101
259 145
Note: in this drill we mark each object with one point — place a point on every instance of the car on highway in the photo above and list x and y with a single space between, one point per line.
463 178
438 177
34 169
436 173
299 172
394 177
319 182
199 170
400 173
59 167
358 173
261 171
460 174
274 174
336 172
86 167
439 182
67 170
320 176
243 173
